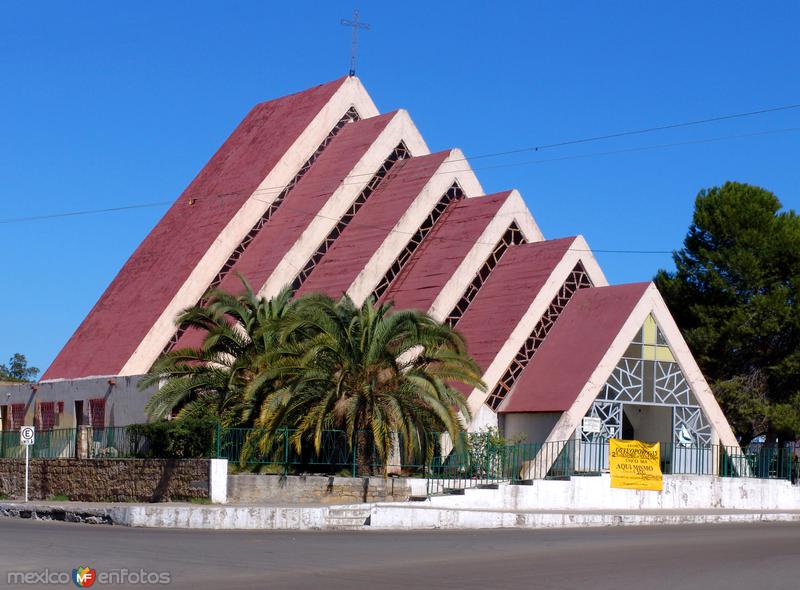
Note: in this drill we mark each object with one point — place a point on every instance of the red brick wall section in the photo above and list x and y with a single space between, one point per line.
107 480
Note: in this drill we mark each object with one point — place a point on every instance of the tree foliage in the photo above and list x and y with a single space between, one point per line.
235 332
18 370
382 376
734 294
385 377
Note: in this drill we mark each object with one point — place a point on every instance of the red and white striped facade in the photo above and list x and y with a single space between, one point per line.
320 191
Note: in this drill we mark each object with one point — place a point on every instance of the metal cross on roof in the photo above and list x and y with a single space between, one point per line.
355 24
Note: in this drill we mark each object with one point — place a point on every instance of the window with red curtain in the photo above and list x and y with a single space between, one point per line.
97 413
47 411
17 415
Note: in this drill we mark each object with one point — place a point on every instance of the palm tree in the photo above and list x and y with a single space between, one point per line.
381 375
211 379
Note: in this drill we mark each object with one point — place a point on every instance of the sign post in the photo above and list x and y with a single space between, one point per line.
26 438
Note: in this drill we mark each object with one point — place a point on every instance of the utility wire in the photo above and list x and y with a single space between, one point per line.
431 236
508 152
84 212
537 148
277 190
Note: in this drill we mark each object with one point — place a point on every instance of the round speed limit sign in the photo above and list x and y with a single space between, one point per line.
26 435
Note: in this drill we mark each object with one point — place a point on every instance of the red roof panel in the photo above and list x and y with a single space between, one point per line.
163 261
572 350
442 251
506 296
351 252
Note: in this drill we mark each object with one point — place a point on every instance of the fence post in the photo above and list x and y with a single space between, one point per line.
219 440
286 450
355 454
83 436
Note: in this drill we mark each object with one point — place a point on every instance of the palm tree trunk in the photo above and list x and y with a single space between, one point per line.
365 450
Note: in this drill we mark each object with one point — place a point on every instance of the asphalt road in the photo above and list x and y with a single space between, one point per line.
730 557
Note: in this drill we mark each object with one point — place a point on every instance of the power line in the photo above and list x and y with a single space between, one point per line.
612 136
646 148
640 131
84 212
277 189
430 236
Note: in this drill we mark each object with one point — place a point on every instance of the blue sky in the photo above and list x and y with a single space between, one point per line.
111 104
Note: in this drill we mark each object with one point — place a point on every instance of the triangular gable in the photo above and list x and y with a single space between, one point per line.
648 374
658 337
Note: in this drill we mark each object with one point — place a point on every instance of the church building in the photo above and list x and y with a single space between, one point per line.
320 191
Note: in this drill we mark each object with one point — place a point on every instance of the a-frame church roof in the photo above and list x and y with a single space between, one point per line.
320 192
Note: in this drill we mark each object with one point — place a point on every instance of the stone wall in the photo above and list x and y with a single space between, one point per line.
107 480
315 489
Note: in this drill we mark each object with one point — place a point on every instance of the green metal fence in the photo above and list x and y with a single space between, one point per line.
48 444
62 443
761 461
563 459
444 465
254 447
453 467
116 442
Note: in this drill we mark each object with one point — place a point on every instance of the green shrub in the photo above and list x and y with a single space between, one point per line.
188 438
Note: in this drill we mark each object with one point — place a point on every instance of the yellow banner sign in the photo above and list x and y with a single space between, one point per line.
635 465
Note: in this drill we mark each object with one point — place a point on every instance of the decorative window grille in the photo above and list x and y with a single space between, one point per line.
454 193
17 415
350 116
578 279
47 413
690 421
399 153
513 236
648 374
610 415
97 413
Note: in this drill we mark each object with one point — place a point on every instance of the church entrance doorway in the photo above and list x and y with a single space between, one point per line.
646 423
